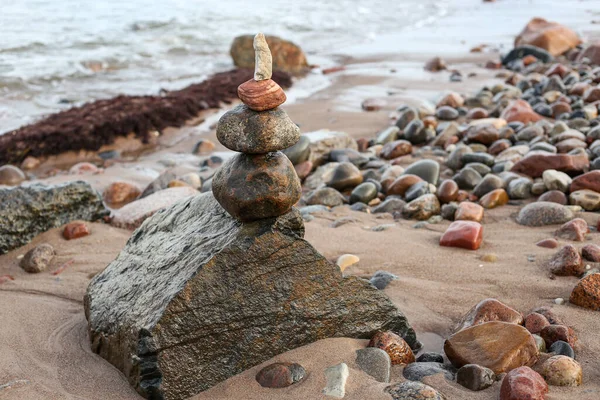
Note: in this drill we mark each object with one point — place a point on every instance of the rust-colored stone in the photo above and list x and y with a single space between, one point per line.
521 111
75 230
402 183
587 292
535 164
535 322
397 148
495 198
591 252
575 230
490 310
523 383
589 181
483 133
464 234
550 36
447 191
468 211
252 187
118 194
548 243
553 333
280 375
396 347
499 346
261 95
566 262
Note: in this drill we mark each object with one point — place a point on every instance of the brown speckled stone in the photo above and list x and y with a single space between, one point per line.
587 292
566 262
396 347
552 333
280 375
490 310
251 187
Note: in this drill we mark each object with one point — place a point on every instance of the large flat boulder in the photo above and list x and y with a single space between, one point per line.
196 297
28 211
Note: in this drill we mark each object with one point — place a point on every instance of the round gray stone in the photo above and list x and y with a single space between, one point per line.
375 362
543 213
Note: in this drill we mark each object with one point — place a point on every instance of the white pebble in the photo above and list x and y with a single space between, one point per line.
559 301
588 267
336 380
346 260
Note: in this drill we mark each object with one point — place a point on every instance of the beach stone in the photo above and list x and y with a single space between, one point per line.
475 377
184 260
447 134
406 116
415 132
543 146
463 234
520 111
389 176
261 95
422 208
375 362
323 141
586 293
75 230
482 169
446 113
454 160
412 390
326 196
488 184
553 333
483 133
554 196
550 36
490 310
555 180
336 377
280 375
495 198
575 230
541 344
429 356
435 64
389 205
245 130
120 193
499 146
11 175
418 370
399 351
402 184
417 190
589 181
28 163
447 191
523 383
348 155
535 163
133 214
550 315
519 52
299 152
451 99
548 243
586 199
346 260
499 346
562 371
345 176
562 348
37 259
591 252
397 148
373 104
203 146
83 168
428 170
252 187
303 169
448 211
566 262
387 135
381 279
29 211
468 211
467 178
543 213
519 188
535 322
286 56
477 113
478 157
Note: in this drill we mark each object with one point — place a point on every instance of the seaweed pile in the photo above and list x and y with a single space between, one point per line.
100 122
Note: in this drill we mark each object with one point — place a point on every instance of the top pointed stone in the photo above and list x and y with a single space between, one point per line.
263 68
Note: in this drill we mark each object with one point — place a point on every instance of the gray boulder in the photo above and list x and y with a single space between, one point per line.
196 297
28 211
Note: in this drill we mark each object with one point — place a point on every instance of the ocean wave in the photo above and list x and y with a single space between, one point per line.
33 46
140 26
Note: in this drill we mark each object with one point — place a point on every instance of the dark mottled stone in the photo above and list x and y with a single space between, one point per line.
248 131
252 187
562 348
419 370
193 283
413 391
28 211
431 357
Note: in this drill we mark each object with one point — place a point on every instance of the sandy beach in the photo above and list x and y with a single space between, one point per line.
44 338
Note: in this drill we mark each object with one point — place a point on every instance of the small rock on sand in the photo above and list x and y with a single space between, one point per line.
38 258
336 380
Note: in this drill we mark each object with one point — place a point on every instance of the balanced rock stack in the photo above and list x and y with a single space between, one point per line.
261 182
223 281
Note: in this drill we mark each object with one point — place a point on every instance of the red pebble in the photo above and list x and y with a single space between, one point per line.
75 230
548 243
6 278
523 383
464 234
535 322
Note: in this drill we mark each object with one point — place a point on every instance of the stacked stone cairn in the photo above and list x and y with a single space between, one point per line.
261 181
